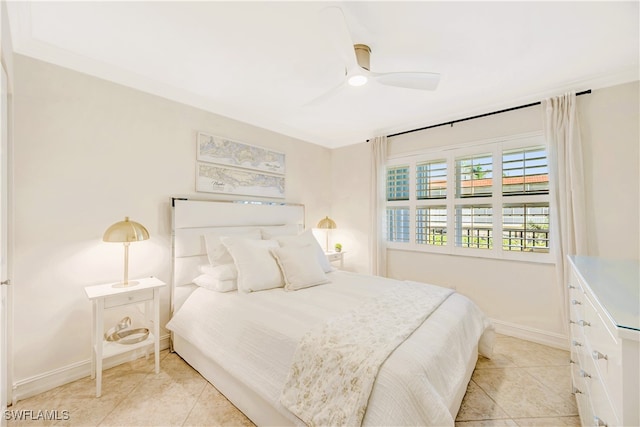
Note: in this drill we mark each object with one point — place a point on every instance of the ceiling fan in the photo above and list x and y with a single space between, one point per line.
356 58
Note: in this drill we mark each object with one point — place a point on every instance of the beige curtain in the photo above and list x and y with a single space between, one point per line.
568 223
378 252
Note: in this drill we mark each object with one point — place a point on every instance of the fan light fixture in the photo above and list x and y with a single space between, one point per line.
358 80
356 59
126 232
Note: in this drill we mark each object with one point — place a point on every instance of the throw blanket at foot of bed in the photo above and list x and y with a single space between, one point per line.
335 365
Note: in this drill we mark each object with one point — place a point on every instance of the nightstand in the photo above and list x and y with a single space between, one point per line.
106 296
336 256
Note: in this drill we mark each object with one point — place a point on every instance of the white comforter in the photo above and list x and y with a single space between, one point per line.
254 337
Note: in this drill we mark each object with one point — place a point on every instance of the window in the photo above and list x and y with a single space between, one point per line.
525 172
488 200
398 183
431 225
474 226
473 176
525 227
431 180
398 224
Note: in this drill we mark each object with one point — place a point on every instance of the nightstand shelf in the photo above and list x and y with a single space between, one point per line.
106 297
110 348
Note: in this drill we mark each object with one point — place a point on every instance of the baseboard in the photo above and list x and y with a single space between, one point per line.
46 381
531 334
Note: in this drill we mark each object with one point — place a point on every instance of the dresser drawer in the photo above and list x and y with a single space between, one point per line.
602 411
128 298
581 392
604 351
601 403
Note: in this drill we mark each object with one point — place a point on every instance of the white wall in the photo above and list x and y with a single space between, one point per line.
87 153
521 297
351 174
611 138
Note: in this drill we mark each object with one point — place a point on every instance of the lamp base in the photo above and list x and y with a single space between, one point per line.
125 285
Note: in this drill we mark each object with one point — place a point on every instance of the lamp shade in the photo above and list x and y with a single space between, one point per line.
125 231
327 222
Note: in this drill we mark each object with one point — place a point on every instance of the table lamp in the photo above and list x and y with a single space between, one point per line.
328 224
126 232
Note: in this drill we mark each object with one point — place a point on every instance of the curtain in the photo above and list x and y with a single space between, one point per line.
568 223
378 253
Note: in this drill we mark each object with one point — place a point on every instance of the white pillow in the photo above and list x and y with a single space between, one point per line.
304 239
220 272
257 269
217 253
299 266
279 230
209 282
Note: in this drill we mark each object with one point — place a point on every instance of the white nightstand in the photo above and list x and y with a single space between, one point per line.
107 296
336 256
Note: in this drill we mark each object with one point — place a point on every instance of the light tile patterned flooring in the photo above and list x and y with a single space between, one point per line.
524 384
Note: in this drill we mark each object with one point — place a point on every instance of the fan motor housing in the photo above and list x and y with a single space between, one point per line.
363 55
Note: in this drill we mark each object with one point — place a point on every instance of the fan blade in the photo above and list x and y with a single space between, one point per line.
338 31
325 96
409 80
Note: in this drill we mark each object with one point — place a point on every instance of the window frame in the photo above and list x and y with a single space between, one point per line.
496 200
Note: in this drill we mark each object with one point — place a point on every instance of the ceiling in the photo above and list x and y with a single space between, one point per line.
264 62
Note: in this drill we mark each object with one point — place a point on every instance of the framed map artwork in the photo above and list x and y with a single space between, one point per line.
230 167
215 149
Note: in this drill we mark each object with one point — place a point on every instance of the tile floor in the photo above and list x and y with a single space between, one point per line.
524 384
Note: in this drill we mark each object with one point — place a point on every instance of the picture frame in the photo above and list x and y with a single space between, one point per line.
218 178
225 151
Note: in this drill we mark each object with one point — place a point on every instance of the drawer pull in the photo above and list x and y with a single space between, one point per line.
576 343
576 390
583 374
575 302
572 322
571 287
571 361
597 422
597 355
583 323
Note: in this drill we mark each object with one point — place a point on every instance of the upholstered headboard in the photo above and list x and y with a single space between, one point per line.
193 219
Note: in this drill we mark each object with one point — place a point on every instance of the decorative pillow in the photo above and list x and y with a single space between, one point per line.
257 269
220 272
210 282
279 230
304 239
299 266
217 253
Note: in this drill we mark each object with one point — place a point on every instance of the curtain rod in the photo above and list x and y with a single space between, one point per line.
584 92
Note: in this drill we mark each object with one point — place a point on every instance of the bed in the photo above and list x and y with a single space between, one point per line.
271 351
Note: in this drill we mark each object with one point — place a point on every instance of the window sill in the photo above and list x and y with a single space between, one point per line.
528 257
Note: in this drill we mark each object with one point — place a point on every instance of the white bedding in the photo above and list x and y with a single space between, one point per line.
335 366
254 337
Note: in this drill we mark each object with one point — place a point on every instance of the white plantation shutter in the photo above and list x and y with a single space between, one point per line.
488 200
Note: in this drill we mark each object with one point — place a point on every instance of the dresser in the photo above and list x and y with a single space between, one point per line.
604 317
